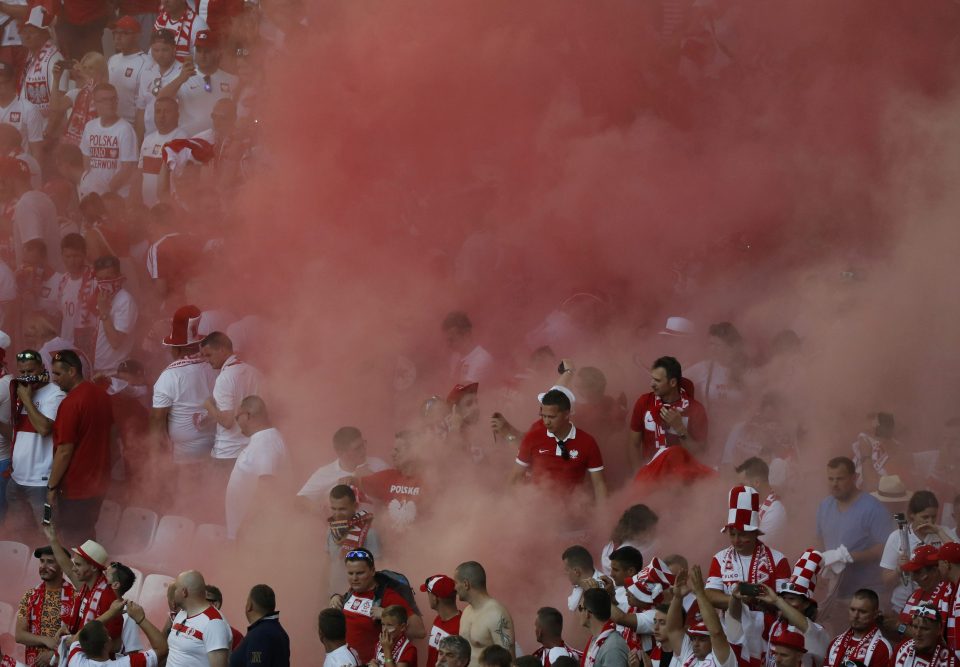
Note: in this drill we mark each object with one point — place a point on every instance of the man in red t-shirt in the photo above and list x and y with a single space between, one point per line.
667 416
556 453
398 489
441 591
80 474
370 593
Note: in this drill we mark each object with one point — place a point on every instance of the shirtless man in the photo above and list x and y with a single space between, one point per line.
485 621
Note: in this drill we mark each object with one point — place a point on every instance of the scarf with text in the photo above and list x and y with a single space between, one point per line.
761 564
846 647
680 405
35 605
86 604
351 533
907 656
400 644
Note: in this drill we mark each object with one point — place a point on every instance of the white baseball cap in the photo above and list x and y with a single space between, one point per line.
38 18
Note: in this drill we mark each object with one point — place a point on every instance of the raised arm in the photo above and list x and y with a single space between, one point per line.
63 558
674 624
718 638
790 614
158 641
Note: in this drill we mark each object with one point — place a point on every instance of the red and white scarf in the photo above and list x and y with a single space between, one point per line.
182 28
86 604
845 647
593 646
767 504
762 565
400 645
352 533
907 656
938 597
680 405
189 360
951 609
35 614
81 112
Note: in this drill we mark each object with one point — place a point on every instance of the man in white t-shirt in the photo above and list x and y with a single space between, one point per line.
199 87
78 321
199 635
117 313
351 449
469 362
34 213
755 472
37 402
126 65
261 468
332 628
236 381
161 69
109 146
94 646
19 112
166 116
178 396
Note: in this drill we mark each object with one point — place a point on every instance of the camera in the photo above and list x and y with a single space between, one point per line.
42 378
900 518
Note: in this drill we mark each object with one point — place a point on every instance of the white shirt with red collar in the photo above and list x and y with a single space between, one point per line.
871 649
77 658
729 567
193 637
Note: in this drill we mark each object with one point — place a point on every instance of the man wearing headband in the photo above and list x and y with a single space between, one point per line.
926 648
557 454
36 403
863 641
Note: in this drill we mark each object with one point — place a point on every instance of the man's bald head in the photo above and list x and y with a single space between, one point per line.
192 582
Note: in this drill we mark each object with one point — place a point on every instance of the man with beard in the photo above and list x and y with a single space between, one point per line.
863 640
38 616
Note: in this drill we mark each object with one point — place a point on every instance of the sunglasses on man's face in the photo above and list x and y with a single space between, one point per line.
28 356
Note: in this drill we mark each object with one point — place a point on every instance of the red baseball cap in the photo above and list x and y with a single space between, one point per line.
923 556
950 552
440 585
206 40
789 637
126 24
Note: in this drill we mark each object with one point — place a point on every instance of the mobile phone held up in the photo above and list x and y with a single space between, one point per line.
47 514
749 590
